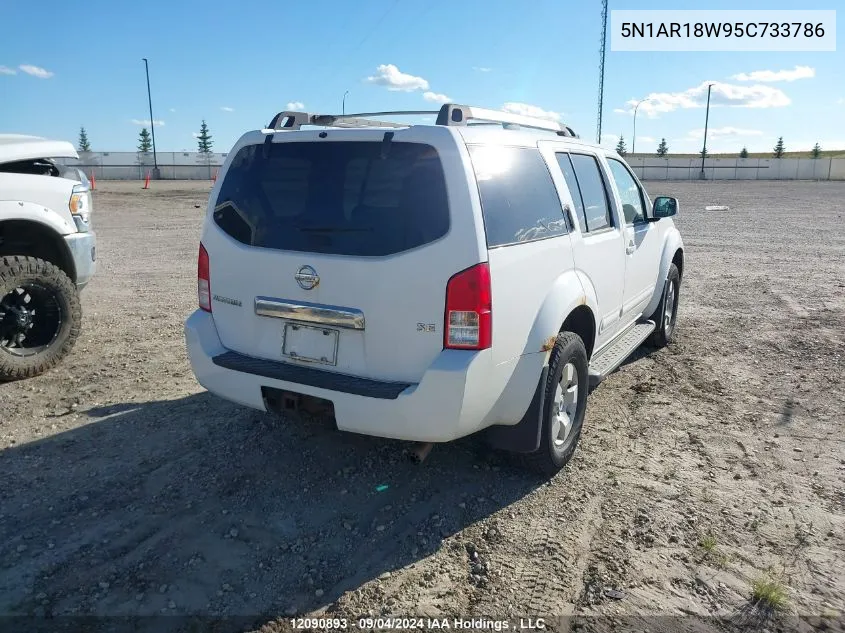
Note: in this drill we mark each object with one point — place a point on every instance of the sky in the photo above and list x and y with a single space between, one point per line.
235 64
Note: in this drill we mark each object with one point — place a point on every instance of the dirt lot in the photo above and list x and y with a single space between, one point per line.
704 468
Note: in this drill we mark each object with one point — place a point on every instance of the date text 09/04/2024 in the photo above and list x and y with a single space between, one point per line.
421 624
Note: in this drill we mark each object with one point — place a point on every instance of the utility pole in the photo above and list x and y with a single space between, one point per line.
706 121
152 121
344 101
601 67
634 139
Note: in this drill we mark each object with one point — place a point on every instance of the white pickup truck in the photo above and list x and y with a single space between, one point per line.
427 282
47 253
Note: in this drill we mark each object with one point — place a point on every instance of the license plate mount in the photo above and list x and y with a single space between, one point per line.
310 344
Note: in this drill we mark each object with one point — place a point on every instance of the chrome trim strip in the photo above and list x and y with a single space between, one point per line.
304 312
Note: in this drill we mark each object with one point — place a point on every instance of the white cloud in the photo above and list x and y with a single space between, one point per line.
841 101
482 69
389 76
722 94
646 139
296 106
227 109
436 97
146 122
173 109
799 72
721 132
36 71
610 140
195 134
526 109
621 111
5 70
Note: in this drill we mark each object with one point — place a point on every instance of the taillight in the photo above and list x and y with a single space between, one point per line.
203 280
469 304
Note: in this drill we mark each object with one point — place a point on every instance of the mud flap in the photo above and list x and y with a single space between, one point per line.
524 436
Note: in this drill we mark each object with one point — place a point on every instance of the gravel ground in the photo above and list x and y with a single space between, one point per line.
703 468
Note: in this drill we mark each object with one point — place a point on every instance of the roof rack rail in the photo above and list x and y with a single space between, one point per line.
450 114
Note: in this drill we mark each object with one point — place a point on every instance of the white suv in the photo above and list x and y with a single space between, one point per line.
428 282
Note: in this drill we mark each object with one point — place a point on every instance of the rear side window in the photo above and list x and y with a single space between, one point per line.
572 183
343 198
518 197
593 192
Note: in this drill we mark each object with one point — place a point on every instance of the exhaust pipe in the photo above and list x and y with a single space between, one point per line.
290 402
421 451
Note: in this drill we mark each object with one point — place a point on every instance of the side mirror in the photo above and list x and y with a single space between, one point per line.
664 207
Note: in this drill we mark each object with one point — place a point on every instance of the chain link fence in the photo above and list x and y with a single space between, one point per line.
136 165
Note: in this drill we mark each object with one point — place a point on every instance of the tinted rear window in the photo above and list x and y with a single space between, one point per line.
518 197
344 198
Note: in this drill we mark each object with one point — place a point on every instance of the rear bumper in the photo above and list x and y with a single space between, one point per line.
83 250
459 394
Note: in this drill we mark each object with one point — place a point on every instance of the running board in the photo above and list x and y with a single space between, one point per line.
615 354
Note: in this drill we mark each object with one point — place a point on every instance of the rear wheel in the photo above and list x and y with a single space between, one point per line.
40 316
565 405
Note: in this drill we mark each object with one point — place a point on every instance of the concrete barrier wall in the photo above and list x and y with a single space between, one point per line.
194 166
648 168
837 169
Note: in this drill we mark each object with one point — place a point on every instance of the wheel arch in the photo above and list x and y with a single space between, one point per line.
678 260
35 239
673 253
582 322
570 304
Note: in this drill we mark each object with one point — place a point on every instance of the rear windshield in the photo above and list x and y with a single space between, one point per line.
344 198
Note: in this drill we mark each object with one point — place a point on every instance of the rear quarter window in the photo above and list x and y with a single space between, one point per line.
518 197
344 198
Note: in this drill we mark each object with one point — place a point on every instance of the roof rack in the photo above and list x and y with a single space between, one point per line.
450 114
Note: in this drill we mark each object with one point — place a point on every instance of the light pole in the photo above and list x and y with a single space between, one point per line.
344 101
634 141
706 121
152 121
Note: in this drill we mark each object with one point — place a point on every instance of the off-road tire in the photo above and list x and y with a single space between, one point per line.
16 270
662 334
549 458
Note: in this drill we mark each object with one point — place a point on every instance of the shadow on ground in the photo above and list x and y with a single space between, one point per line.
196 506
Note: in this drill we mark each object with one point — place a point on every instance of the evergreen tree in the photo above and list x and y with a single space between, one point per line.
778 151
704 152
145 141
621 149
204 141
743 153
84 145
816 152
662 149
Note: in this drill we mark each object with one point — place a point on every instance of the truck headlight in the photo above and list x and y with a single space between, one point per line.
80 207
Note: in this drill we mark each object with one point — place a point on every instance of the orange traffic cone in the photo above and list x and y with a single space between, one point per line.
93 181
147 180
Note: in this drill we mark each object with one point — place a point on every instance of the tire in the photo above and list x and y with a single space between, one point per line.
568 355
666 321
39 302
